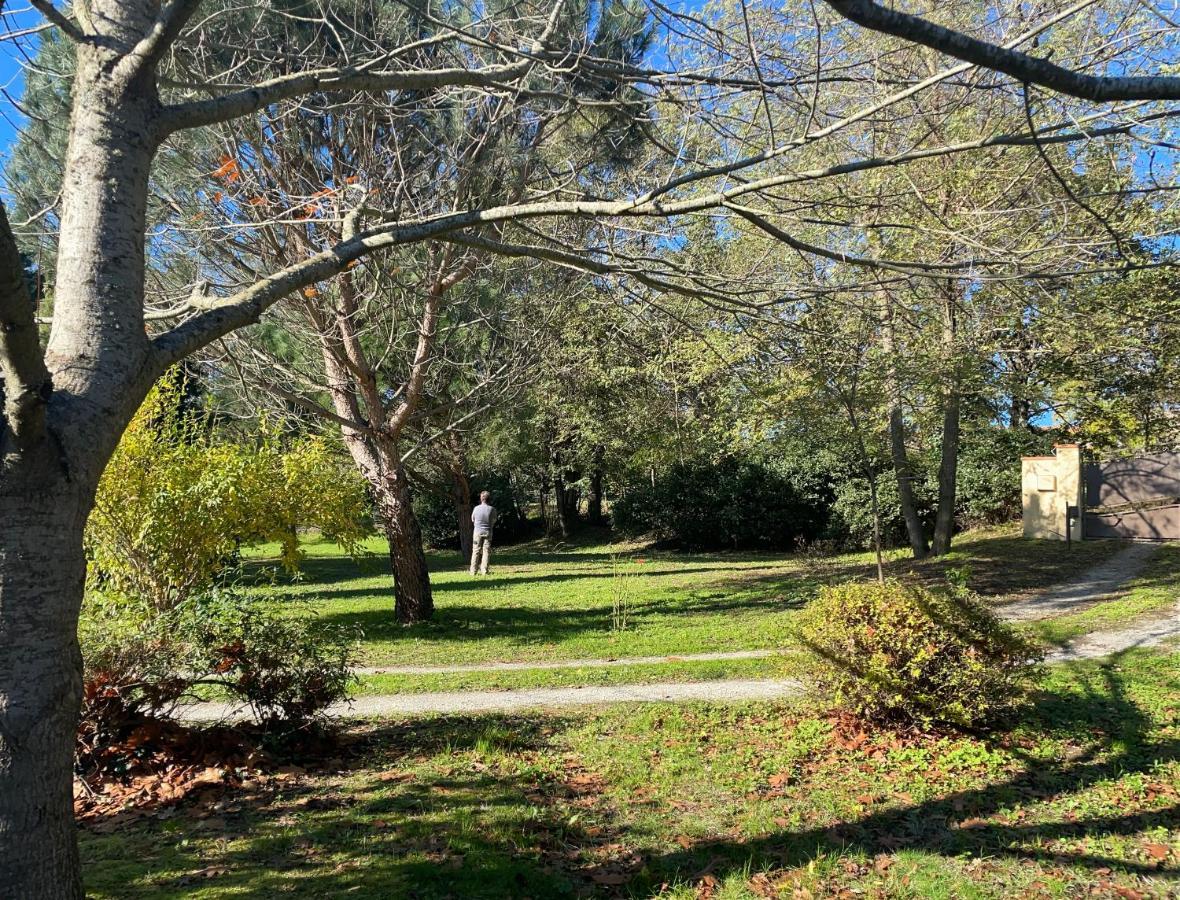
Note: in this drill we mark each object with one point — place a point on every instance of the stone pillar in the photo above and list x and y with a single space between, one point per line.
1048 486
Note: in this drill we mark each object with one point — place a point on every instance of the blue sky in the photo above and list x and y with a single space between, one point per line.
11 71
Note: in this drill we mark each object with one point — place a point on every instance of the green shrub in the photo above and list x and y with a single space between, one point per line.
728 505
989 472
134 672
905 654
434 506
139 663
287 669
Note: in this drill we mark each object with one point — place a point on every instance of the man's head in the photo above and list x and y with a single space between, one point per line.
484 496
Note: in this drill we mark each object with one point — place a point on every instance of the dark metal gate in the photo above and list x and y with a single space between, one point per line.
1133 499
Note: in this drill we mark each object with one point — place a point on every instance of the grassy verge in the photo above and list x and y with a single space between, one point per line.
700 801
560 605
544 603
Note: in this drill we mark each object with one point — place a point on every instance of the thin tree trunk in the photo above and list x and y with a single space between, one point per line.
870 475
948 467
944 523
594 500
561 502
1020 414
875 506
901 462
543 496
42 570
460 493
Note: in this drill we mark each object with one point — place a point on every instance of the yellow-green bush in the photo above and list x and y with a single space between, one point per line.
902 653
175 504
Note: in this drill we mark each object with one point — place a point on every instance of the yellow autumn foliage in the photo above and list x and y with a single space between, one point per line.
175 504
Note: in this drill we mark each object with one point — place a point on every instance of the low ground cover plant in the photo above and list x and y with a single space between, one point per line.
900 652
141 664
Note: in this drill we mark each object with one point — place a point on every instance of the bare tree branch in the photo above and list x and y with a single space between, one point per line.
26 380
173 16
1098 88
361 78
58 18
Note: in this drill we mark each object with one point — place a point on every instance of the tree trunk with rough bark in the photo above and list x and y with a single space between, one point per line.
377 457
460 492
42 570
948 469
561 504
594 498
413 598
65 409
543 502
461 495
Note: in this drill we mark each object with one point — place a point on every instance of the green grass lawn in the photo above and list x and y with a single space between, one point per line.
1081 798
542 604
545 603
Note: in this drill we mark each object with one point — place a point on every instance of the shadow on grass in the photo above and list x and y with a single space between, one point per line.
508 581
998 565
536 623
465 829
1116 735
1011 565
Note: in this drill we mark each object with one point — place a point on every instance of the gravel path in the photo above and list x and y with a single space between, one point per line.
1093 585
1144 633
1097 583
501 701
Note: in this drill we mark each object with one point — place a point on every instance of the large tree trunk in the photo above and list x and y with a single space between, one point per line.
413 598
901 462
101 365
905 482
42 570
378 460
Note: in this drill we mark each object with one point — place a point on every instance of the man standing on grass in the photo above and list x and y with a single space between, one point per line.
483 518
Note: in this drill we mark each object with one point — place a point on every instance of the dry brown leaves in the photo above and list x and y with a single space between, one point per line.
161 763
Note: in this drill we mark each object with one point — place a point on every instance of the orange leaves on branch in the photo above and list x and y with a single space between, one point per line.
228 170
310 291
